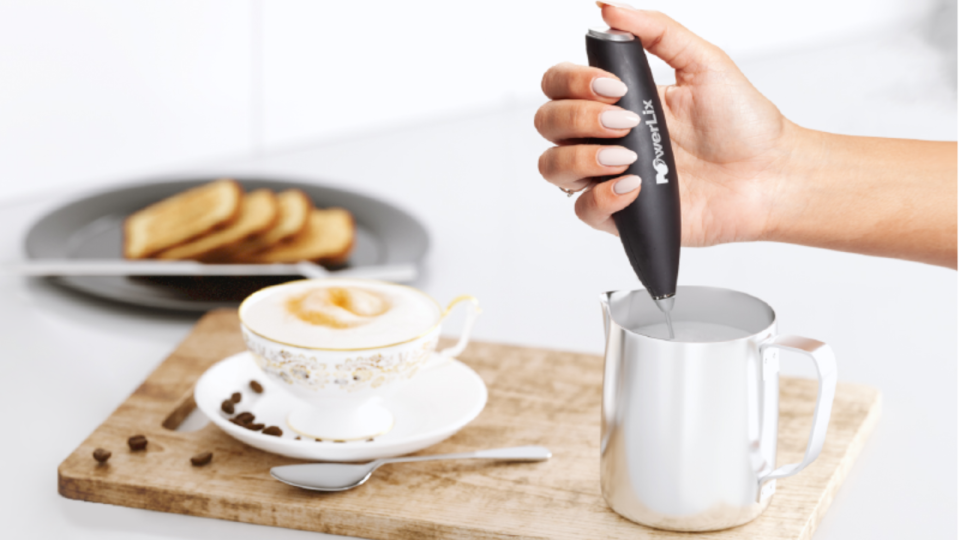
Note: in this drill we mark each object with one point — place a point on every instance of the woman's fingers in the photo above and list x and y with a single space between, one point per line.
596 205
570 81
572 167
560 121
666 38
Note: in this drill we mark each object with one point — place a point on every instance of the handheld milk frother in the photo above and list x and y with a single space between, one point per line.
650 227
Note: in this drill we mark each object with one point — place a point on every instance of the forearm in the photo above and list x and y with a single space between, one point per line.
886 197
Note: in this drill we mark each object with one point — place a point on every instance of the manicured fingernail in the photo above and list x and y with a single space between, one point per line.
616 156
608 87
626 184
619 119
615 4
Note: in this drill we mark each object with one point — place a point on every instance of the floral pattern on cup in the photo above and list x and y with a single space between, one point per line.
361 372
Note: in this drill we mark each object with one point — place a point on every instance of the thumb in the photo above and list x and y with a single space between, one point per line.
664 37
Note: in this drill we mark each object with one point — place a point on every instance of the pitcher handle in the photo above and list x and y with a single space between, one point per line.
824 360
467 325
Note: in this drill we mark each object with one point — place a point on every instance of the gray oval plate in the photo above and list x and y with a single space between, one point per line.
91 228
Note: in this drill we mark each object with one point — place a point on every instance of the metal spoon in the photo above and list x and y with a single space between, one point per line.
344 476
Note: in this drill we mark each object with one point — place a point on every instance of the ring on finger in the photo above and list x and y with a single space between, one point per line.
571 192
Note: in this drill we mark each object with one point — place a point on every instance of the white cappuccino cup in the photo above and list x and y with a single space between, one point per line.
342 346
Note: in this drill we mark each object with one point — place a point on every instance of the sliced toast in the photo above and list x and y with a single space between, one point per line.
294 206
258 212
181 218
327 239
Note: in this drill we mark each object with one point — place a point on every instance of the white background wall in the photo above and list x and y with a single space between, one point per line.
96 89
108 90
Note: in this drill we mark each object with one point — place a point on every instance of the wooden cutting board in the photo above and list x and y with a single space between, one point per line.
537 396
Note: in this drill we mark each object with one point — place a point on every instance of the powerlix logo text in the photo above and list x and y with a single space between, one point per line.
658 163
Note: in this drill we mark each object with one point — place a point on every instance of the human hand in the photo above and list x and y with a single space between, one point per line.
731 144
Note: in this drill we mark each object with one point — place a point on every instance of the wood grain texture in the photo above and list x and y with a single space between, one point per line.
536 396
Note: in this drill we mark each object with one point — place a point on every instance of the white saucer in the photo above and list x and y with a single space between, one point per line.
433 405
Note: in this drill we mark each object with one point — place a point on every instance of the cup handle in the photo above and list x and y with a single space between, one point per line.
467 325
824 360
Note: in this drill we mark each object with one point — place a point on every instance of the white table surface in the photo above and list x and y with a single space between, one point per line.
504 235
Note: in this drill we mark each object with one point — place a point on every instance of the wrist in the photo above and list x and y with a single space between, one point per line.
803 156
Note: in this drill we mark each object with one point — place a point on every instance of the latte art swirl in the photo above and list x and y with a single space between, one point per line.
338 307
340 313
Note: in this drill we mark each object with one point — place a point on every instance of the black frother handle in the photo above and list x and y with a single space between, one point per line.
650 227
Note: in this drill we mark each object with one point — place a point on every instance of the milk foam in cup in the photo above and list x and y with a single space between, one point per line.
342 346
342 316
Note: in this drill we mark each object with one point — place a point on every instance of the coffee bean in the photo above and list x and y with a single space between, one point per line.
256 387
245 418
297 438
237 422
137 442
227 406
370 440
101 455
254 427
236 397
273 430
201 459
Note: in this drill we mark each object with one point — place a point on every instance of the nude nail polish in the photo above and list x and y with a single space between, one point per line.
619 119
616 156
607 87
626 184
615 4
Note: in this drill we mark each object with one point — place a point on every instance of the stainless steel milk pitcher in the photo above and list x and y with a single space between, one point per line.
689 438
